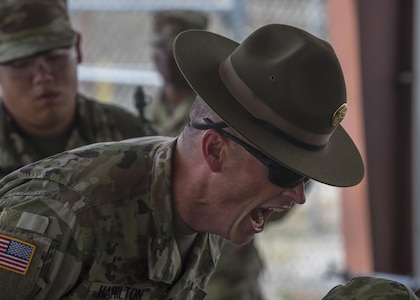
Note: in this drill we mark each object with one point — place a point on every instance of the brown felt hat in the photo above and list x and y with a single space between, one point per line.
283 90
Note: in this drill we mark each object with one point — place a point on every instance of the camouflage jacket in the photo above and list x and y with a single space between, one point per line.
95 122
164 122
96 223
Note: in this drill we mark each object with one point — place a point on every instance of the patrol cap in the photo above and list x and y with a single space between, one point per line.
28 27
283 90
367 288
168 24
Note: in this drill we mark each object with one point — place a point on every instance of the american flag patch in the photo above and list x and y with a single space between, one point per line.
15 255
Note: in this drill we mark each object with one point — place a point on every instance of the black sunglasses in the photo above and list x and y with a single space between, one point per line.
278 174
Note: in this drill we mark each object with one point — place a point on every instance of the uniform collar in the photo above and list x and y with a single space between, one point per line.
164 259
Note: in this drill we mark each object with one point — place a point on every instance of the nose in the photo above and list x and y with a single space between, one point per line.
298 193
42 71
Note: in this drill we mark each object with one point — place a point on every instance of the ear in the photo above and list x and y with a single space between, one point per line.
212 143
78 46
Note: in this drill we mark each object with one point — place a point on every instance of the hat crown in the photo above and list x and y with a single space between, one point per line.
31 26
295 73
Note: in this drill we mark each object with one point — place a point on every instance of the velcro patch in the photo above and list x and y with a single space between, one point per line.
35 250
15 255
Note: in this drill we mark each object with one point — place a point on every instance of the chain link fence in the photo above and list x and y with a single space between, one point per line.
301 250
304 253
116 33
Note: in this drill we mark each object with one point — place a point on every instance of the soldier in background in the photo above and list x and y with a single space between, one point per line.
167 113
41 111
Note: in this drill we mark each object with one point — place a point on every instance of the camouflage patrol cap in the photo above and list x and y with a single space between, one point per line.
169 23
28 27
370 288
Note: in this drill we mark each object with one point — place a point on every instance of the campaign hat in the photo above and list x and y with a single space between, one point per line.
282 89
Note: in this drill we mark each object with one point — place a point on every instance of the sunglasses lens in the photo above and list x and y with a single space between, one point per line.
283 176
278 174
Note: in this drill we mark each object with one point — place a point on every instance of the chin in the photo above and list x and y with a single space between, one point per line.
242 240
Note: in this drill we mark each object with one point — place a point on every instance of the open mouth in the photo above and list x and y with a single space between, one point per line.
260 216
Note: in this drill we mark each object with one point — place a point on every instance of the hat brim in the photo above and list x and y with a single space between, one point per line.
199 53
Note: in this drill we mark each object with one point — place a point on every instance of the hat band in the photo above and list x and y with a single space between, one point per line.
260 110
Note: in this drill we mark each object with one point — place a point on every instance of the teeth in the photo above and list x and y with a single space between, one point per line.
260 219
258 222
276 209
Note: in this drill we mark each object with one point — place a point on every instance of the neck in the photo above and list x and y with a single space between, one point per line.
188 172
44 129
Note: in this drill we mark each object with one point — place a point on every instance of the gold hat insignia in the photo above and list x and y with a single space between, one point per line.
339 114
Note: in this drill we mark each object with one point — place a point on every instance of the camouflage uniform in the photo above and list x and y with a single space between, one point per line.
370 288
237 273
95 122
166 122
96 223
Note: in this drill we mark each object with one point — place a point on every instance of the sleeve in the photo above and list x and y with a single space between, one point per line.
41 249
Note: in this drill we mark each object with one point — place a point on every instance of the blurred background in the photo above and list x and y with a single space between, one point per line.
116 35
370 229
